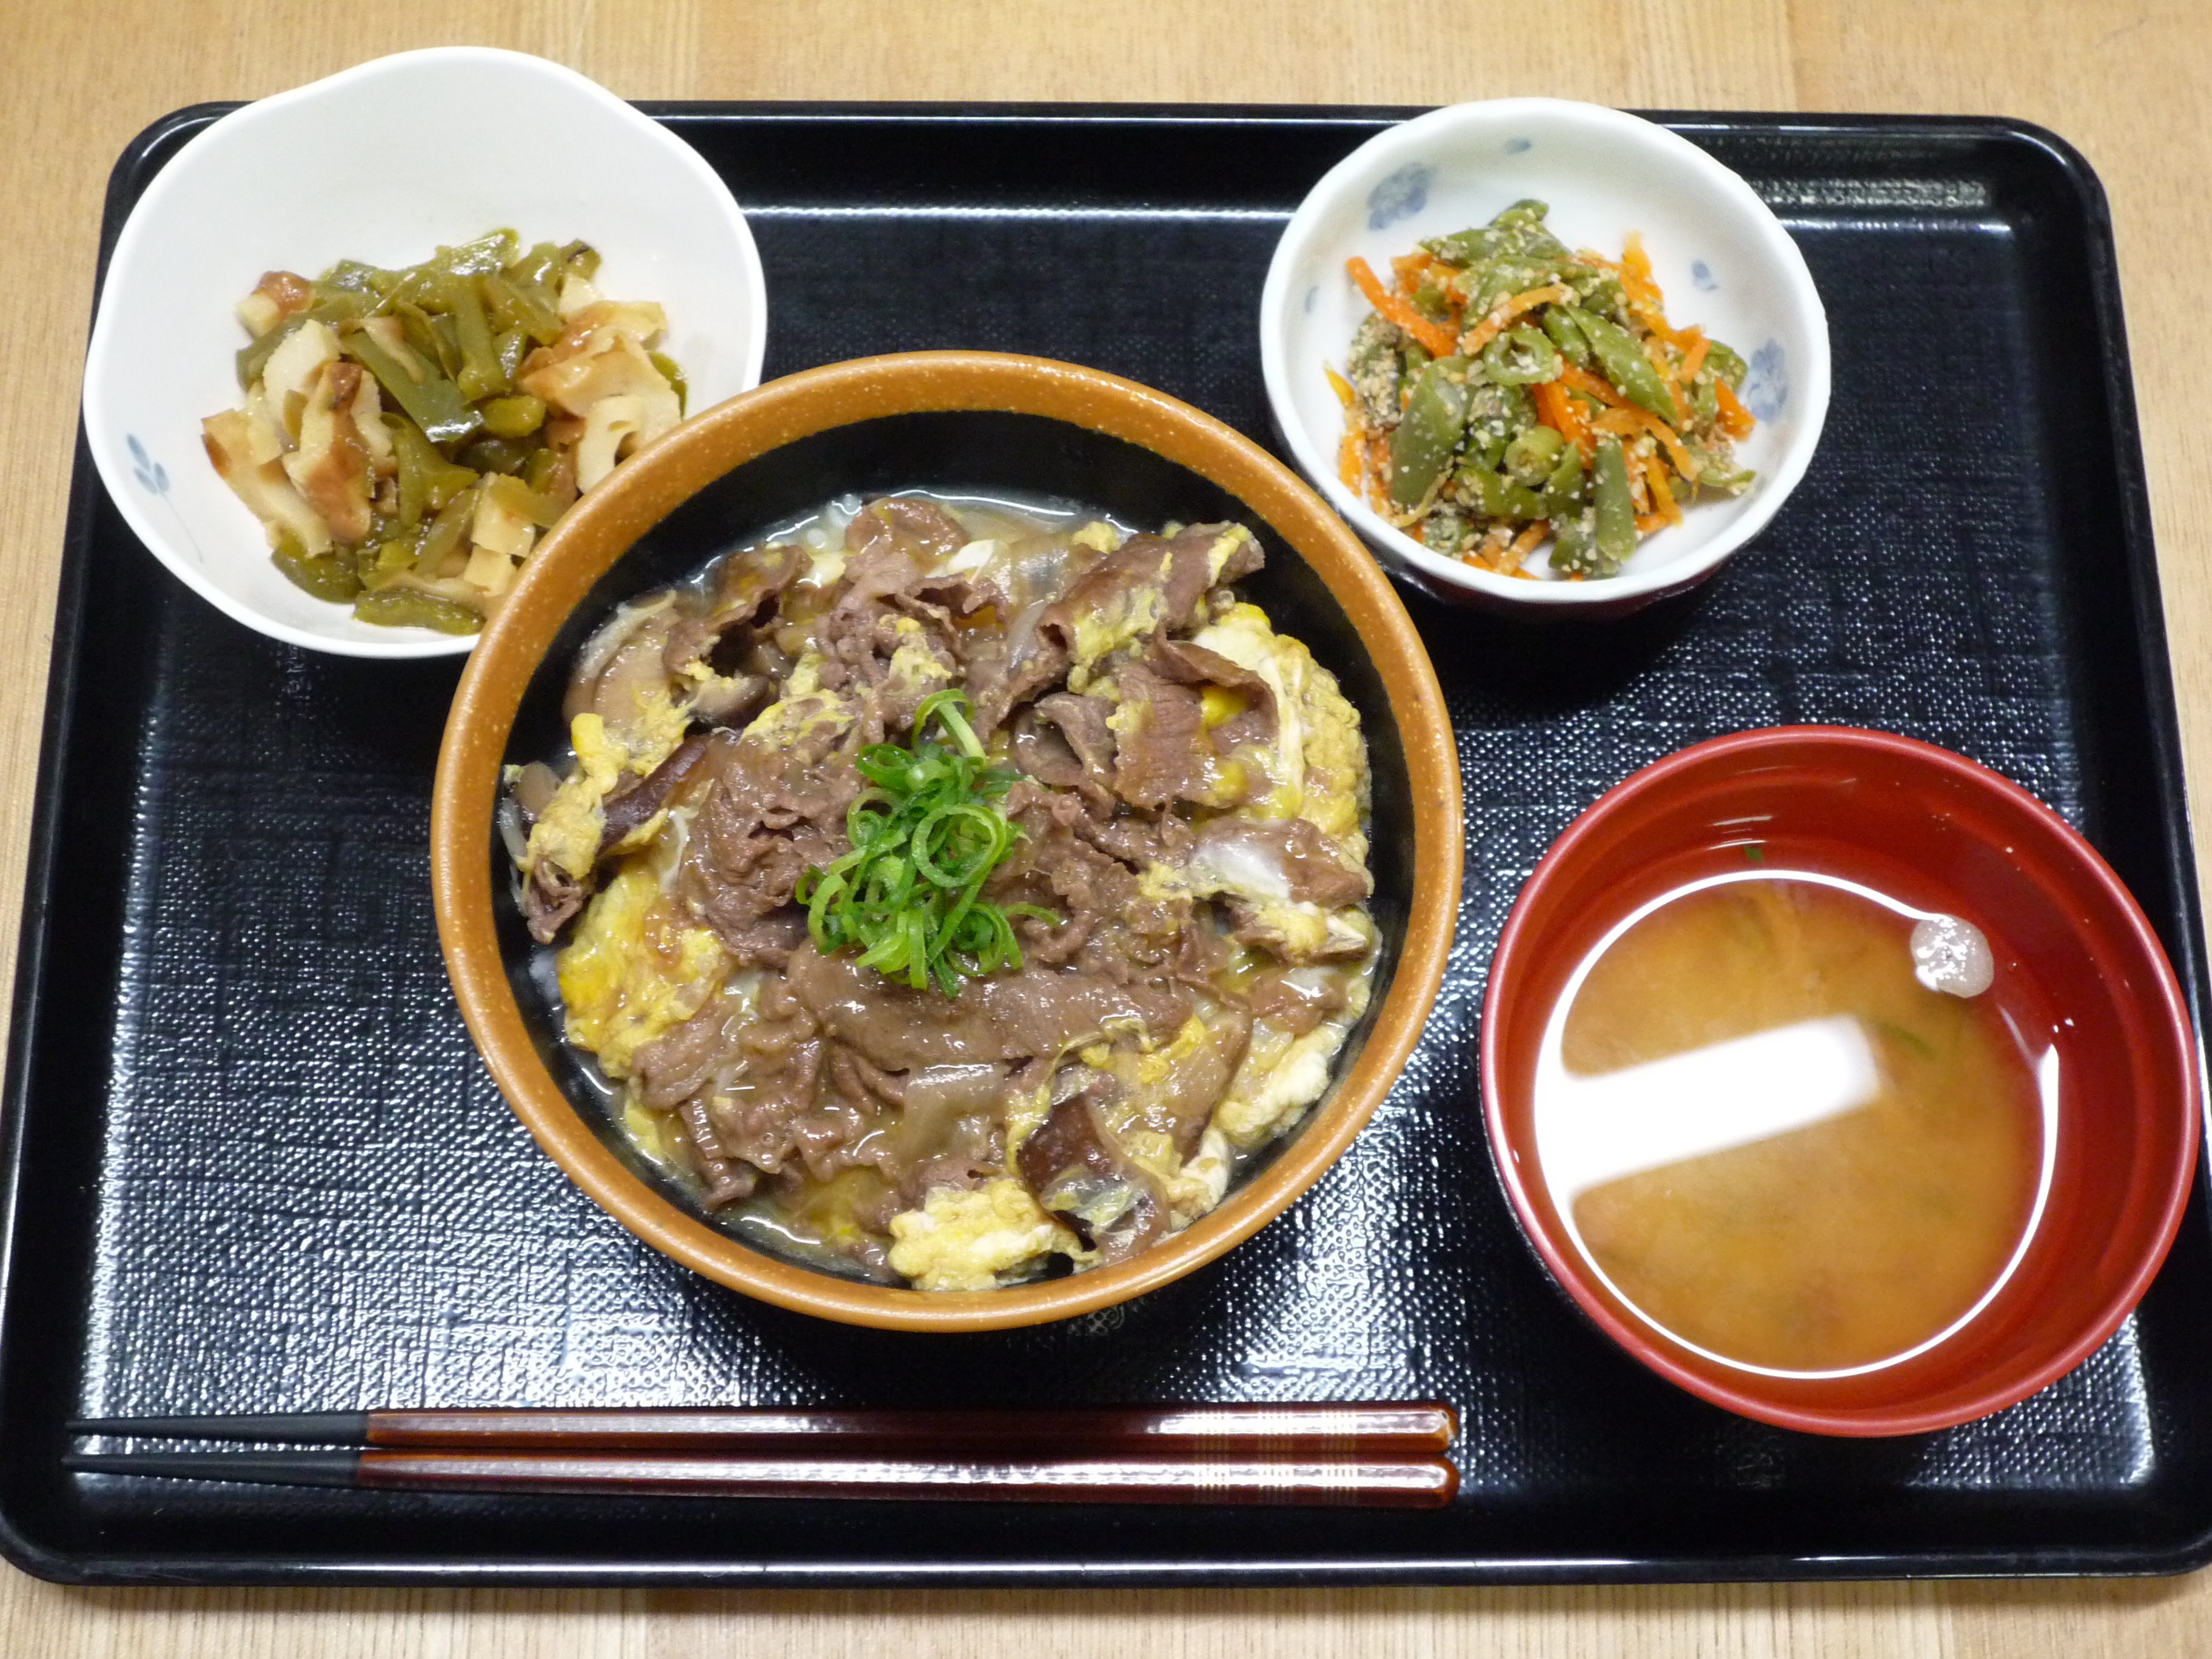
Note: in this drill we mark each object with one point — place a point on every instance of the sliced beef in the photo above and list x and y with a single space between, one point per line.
1294 1001
1037 1011
1257 722
1164 753
1074 1167
908 524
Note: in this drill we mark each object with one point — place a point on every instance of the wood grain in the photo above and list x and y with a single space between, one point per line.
2122 82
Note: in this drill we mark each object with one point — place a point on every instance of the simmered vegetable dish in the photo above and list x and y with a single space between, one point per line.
950 892
407 435
1505 393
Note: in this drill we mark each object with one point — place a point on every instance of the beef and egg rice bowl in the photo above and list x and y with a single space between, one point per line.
953 894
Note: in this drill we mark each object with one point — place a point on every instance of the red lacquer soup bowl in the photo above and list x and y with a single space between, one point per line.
1937 832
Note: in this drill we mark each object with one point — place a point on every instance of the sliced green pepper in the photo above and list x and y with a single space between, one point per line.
1615 525
1421 448
673 375
485 254
405 607
445 531
432 403
582 259
479 373
327 577
507 455
1626 365
253 359
511 347
524 304
513 417
427 479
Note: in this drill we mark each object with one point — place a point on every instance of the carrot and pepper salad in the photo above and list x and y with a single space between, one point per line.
1504 392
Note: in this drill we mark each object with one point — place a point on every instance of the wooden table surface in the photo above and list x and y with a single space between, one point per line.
2123 80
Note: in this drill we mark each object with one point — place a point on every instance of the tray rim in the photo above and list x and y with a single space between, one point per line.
2186 950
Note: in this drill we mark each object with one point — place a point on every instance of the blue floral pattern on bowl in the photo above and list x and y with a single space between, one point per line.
1400 196
153 478
1766 387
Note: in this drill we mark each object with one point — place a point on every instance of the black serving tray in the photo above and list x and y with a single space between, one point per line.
252 1163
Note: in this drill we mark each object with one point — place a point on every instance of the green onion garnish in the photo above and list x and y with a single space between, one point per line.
926 836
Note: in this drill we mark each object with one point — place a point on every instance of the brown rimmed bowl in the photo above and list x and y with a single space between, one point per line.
967 422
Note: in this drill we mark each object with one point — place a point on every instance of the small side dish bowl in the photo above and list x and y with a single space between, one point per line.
383 163
1719 255
973 423
2119 1071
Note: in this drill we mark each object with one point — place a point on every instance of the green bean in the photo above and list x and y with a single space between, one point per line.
1521 356
1495 497
1533 453
406 607
432 403
1626 365
1421 448
1563 489
1616 508
1443 530
1723 361
1574 548
1559 325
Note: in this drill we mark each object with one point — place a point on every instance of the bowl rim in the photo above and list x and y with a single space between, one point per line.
406 643
2164 994
606 524
1408 140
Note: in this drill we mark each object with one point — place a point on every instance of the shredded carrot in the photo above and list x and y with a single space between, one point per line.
1685 463
1648 522
1339 386
1557 410
1634 261
1410 268
1735 420
1439 340
1621 423
1638 495
1347 462
1654 479
1506 310
1583 381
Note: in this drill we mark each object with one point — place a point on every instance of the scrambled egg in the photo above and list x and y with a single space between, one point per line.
567 833
964 1240
1282 1075
634 970
1317 764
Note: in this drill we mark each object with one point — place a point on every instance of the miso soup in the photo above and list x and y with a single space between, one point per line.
1775 1140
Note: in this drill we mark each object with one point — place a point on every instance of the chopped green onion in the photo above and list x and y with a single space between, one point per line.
925 839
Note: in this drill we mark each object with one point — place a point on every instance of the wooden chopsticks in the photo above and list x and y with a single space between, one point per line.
1324 1453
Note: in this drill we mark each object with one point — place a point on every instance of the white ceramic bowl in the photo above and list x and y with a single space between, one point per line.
1722 259
383 163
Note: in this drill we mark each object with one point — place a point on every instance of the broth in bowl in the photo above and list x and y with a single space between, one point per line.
1794 1122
